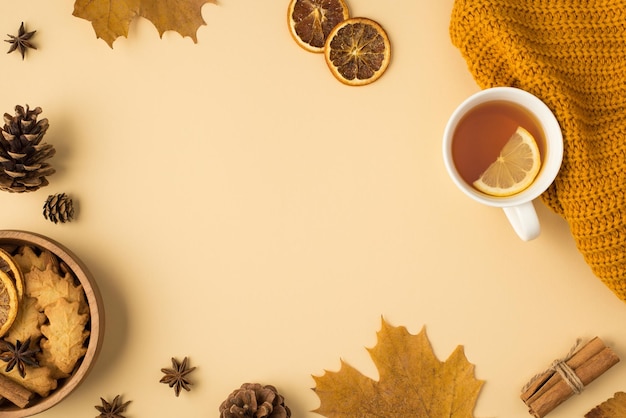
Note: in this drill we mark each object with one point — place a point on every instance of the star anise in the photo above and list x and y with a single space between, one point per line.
113 409
21 42
176 377
19 355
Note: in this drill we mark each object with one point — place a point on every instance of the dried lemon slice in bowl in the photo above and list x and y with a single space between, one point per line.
358 51
8 302
310 21
10 267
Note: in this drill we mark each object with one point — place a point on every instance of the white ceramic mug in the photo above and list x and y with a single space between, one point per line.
518 208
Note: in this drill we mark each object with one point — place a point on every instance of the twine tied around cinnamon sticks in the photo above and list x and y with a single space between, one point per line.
567 376
561 367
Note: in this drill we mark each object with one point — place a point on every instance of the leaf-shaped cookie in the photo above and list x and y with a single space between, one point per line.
36 379
27 323
47 286
612 408
413 382
27 259
65 334
111 18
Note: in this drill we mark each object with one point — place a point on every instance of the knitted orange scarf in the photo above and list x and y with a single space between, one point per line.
572 55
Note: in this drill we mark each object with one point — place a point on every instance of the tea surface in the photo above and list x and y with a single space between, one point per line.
482 132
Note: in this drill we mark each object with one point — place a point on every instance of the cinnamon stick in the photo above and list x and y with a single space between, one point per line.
549 390
545 381
14 392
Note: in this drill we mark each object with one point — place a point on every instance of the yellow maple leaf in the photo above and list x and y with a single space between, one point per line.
612 408
412 382
111 18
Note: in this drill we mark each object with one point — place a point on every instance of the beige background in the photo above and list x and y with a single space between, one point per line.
240 206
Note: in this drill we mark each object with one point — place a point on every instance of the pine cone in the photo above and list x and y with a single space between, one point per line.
22 155
58 208
254 401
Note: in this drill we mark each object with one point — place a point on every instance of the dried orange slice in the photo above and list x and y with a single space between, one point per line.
8 303
358 51
310 21
10 267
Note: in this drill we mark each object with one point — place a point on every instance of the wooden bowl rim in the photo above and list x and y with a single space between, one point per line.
96 311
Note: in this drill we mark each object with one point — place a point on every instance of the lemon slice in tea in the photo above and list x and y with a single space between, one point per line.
310 21
358 51
515 168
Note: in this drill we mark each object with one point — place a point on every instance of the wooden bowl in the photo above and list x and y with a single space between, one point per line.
95 324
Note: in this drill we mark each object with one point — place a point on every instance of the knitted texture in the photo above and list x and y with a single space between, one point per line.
572 55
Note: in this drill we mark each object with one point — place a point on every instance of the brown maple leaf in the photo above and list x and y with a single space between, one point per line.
412 383
111 18
612 408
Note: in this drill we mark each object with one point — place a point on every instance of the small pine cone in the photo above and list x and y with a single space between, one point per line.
58 208
254 401
22 154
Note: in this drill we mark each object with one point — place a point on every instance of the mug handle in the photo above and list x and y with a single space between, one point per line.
524 220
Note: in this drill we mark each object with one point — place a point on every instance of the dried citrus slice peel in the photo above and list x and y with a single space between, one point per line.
515 168
310 21
8 303
10 267
358 51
